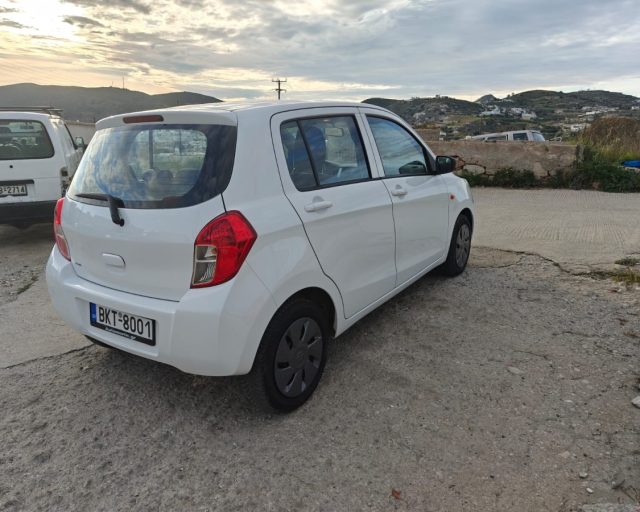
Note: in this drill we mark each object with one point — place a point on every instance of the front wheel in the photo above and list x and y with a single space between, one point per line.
459 248
292 355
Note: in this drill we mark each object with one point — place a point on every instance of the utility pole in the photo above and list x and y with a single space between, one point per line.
279 89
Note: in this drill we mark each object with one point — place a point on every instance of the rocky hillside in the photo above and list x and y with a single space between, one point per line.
555 113
93 103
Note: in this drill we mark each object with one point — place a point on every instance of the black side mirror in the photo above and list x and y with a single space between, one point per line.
415 167
445 164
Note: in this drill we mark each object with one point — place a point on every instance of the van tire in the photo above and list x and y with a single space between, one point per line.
294 346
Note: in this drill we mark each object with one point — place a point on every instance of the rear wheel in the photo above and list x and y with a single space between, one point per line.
292 355
459 248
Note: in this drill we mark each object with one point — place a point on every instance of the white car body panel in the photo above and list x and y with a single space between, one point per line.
156 246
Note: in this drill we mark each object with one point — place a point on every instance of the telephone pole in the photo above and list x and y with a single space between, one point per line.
279 89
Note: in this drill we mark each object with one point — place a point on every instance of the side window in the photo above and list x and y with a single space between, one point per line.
520 136
401 154
496 137
324 151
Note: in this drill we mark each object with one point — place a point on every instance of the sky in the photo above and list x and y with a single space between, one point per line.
326 49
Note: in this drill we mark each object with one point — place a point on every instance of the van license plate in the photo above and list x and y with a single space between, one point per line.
133 327
13 190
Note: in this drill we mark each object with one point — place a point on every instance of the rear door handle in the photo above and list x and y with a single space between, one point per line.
398 191
316 206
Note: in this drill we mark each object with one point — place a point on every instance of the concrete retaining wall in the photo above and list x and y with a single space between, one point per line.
544 159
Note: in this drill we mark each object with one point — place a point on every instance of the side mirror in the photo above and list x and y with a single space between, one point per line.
80 142
415 167
445 164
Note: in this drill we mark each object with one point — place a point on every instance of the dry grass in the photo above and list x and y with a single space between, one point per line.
617 138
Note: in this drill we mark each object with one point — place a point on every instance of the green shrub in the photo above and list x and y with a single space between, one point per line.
507 178
597 171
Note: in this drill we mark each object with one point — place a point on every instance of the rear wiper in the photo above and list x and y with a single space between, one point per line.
114 203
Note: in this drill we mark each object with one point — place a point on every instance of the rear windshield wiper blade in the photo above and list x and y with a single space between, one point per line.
114 203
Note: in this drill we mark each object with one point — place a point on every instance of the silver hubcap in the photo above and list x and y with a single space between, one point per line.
298 357
463 245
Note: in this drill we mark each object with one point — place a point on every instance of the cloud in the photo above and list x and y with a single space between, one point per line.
135 5
81 21
11 23
332 48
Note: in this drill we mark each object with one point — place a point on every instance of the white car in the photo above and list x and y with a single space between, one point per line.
230 239
521 135
38 157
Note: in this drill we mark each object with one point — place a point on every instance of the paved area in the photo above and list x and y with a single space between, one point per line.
578 229
491 391
507 388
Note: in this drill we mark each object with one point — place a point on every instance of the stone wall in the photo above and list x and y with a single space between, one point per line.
544 159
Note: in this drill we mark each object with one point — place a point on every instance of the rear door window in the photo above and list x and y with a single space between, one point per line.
24 140
166 166
324 151
520 136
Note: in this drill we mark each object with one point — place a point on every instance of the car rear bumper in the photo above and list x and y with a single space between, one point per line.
211 331
27 212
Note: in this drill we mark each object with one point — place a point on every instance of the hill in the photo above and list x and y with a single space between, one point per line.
427 110
92 103
549 111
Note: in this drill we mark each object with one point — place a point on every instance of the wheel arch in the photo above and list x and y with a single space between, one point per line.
468 214
319 297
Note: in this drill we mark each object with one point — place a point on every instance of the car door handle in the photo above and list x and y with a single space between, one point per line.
316 206
398 191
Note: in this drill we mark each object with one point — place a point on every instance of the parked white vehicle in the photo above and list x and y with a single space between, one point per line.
521 135
227 239
37 160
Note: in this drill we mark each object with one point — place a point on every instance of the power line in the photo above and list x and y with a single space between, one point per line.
279 89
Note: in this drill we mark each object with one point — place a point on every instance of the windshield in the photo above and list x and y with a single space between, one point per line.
156 166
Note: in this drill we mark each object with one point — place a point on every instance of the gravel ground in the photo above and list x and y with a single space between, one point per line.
23 255
491 391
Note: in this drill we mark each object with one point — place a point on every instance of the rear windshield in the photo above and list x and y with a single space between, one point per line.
156 166
24 140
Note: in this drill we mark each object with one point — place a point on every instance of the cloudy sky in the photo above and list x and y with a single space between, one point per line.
349 49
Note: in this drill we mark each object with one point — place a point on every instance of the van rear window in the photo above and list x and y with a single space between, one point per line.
156 166
23 140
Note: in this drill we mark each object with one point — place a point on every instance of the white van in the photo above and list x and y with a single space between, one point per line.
521 135
38 157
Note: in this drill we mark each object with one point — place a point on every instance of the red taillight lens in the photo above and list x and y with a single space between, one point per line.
221 248
61 241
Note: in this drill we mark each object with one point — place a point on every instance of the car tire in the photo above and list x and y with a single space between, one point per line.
291 357
459 247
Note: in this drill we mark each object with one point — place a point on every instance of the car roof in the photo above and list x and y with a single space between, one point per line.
29 116
228 113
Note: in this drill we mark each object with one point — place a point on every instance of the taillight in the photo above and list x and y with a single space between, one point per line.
220 249
61 241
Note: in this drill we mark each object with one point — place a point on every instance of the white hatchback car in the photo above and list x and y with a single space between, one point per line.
231 239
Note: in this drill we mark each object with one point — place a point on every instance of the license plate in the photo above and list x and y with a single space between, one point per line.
13 190
133 327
